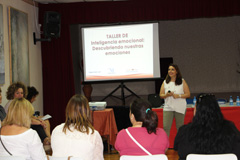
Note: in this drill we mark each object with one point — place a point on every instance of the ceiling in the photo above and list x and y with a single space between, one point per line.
68 1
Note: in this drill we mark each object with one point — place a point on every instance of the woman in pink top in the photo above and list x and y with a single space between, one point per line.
144 130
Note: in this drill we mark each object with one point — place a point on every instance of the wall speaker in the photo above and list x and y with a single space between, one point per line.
52 24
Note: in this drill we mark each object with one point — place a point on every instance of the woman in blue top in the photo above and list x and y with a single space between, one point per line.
2 111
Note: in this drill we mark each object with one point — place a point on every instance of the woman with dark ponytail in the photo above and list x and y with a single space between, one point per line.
144 130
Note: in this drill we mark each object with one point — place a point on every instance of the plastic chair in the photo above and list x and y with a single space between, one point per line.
63 158
229 156
12 158
145 157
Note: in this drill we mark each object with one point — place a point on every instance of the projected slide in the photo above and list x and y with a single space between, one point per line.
121 52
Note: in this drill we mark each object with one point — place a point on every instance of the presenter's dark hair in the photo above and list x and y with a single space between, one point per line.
142 111
32 92
179 75
209 132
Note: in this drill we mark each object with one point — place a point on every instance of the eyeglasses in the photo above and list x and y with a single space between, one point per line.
204 95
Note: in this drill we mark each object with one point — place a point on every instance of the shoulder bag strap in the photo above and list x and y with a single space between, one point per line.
134 140
3 144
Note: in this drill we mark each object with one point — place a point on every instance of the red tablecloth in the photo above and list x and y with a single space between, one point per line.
104 122
230 113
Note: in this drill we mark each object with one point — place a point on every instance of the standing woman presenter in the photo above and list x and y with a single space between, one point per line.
174 91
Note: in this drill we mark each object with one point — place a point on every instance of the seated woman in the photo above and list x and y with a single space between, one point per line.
19 90
16 136
77 137
15 90
31 97
209 132
144 131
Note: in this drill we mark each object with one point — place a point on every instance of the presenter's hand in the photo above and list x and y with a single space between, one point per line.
175 96
169 94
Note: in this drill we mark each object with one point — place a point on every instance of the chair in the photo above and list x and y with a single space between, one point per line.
229 156
63 158
145 157
12 158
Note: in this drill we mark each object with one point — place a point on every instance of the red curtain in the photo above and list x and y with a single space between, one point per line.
58 81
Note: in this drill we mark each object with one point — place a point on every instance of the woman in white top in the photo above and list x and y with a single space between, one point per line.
174 90
77 137
19 90
18 139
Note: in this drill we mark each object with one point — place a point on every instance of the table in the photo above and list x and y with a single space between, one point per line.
231 113
104 122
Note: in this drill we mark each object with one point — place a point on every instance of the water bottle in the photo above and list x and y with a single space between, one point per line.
194 100
238 101
231 100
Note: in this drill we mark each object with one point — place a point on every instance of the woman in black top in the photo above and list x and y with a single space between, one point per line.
209 132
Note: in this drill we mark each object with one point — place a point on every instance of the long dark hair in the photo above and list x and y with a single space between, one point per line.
179 75
142 111
209 132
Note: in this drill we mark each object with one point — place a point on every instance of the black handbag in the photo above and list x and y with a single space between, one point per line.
155 100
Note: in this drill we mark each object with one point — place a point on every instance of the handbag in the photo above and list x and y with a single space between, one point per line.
155 100
134 140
